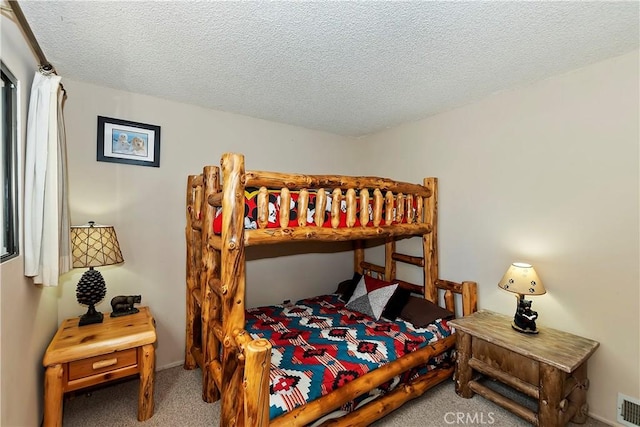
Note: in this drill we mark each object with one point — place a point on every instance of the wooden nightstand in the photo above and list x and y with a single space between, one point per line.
80 357
551 367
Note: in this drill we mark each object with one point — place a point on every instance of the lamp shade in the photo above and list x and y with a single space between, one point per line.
95 245
522 279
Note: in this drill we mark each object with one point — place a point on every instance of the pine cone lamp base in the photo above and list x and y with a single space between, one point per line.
91 316
90 291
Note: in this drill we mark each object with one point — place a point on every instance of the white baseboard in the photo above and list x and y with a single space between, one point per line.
602 420
170 365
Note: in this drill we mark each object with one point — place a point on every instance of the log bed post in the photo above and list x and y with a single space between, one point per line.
469 298
257 355
358 255
430 241
389 262
191 269
210 300
233 276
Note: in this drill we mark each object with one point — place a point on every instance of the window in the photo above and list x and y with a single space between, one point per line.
8 159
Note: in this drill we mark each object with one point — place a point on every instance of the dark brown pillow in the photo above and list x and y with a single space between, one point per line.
397 302
421 312
343 287
346 288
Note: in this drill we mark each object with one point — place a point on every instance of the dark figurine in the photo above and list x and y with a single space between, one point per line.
525 318
122 305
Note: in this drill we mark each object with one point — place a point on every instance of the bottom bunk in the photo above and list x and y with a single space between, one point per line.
319 345
340 359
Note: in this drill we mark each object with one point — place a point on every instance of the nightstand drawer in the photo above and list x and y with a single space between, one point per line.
108 362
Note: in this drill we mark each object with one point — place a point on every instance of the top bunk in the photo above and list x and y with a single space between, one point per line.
273 207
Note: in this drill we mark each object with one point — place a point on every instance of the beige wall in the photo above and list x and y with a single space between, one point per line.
146 205
28 313
549 174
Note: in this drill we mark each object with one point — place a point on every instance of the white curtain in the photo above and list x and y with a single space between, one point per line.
47 242
64 225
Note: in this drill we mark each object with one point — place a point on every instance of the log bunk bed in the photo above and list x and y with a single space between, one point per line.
235 365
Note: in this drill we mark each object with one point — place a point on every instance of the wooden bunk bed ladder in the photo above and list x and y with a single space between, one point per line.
243 379
203 336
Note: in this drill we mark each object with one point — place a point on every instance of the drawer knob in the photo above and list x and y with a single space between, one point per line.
104 363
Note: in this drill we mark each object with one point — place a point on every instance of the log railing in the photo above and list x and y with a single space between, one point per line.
298 181
373 207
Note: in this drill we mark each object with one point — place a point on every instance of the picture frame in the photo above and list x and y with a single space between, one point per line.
124 141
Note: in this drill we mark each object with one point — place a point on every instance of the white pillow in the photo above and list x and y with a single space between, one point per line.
371 296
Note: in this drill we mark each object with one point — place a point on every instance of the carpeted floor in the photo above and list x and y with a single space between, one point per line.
178 404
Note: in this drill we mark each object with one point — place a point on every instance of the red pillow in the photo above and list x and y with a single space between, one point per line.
371 296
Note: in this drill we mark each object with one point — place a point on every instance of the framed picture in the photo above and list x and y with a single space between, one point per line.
122 141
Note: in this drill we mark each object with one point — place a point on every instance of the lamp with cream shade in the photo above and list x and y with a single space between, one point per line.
521 278
93 246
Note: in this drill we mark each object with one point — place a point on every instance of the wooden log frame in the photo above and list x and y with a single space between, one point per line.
236 367
192 236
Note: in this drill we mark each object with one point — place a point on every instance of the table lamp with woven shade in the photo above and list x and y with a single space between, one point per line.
93 246
522 279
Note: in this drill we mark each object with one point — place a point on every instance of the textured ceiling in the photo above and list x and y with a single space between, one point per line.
350 68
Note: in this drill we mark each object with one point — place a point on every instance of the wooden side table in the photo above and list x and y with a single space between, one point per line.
79 357
550 366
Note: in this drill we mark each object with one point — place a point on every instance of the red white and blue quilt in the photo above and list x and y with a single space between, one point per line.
319 345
